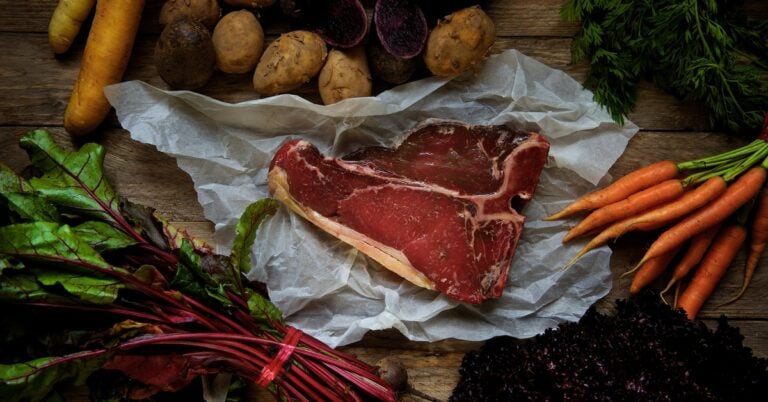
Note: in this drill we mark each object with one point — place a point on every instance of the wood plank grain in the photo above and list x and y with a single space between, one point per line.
512 18
37 86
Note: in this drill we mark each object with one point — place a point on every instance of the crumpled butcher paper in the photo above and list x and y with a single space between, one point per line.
333 292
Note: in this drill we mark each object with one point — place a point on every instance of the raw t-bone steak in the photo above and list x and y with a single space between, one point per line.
440 210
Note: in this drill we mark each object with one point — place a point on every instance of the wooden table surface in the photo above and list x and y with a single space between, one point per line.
35 87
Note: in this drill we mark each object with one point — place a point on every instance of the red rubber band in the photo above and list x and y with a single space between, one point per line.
273 369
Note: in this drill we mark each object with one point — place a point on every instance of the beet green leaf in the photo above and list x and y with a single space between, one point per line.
16 195
192 280
102 237
34 379
48 241
245 230
73 180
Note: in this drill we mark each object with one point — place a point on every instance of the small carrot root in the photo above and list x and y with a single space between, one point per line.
714 265
611 233
696 249
736 195
649 271
634 204
677 295
758 242
622 188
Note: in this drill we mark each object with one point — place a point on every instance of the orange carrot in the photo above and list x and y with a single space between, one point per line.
105 59
622 188
659 216
649 271
634 204
757 244
714 265
696 249
737 194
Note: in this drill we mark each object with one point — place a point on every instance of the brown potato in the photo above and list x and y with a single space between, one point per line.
459 42
184 55
238 40
288 62
250 3
206 12
344 75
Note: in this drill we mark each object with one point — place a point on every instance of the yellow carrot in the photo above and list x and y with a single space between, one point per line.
105 59
66 21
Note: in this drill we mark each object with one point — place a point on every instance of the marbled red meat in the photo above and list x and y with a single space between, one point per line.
441 209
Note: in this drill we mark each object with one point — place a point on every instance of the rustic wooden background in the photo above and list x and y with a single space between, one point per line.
35 87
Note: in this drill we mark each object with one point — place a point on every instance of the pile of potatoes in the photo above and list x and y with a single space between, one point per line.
198 39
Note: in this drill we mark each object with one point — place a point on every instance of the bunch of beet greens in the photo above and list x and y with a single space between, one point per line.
122 292
703 208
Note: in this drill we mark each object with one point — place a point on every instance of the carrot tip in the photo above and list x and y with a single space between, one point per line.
631 271
559 215
573 260
734 298
666 289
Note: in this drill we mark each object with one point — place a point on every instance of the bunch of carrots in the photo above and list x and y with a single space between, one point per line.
704 203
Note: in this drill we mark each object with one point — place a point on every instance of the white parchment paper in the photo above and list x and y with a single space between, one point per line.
335 293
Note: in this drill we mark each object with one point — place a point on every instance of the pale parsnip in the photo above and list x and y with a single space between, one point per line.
66 21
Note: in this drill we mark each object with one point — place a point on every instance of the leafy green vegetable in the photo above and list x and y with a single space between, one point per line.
191 279
19 199
263 310
704 51
73 180
102 237
34 379
123 291
48 241
88 288
23 287
246 229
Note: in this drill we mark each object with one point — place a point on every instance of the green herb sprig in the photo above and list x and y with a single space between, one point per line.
704 51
